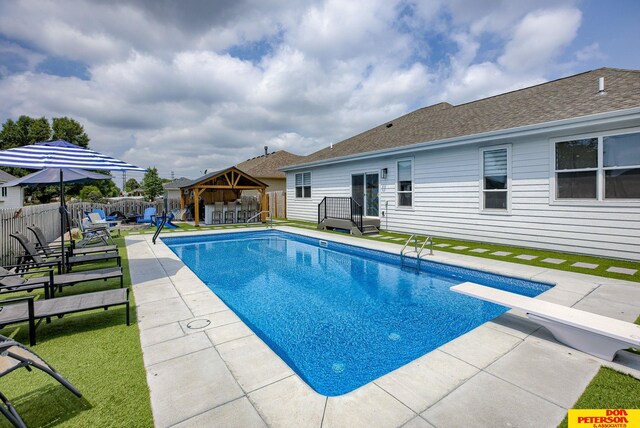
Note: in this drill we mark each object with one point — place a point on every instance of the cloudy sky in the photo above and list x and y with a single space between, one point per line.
192 85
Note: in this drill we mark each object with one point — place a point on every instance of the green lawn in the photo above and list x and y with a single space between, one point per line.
98 353
602 262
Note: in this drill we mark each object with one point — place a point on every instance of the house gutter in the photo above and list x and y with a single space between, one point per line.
609 118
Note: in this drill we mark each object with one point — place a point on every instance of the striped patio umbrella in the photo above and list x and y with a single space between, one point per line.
61 154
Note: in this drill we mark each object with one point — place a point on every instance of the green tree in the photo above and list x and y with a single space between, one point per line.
65 128
131 185
108 188
152 184
91 194
22 132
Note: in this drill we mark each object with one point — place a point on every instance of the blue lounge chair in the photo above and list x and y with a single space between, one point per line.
169 224
149 216
103 216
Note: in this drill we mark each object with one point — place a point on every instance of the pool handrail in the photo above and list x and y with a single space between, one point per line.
415 249
269 220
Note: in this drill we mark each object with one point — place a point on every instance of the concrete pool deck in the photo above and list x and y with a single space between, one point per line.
205 367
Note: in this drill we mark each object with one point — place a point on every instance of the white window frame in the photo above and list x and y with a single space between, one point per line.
4 192
295 185
599 200
482 190
413 185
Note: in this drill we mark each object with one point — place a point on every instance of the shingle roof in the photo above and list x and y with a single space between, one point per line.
267 166
177 183
5 176
565 98
210 175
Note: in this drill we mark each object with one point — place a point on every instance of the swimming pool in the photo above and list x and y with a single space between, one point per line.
339 315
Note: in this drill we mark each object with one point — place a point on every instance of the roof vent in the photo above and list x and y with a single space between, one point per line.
601 90
389 125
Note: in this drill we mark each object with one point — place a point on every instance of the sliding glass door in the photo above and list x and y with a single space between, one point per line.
365 190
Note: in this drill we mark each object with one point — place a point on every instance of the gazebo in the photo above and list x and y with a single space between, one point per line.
220 186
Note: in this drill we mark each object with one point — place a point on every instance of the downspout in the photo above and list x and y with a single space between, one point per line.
386 215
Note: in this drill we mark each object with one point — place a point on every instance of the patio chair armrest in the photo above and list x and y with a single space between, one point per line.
46 263
17 300
22 273
30 311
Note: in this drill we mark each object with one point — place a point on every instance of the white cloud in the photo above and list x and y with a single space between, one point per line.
590 52
163 89
539 39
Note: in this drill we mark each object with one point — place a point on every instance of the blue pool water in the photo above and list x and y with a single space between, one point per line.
340 316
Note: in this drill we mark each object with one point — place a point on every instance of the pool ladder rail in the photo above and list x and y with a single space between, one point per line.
418 252
269 219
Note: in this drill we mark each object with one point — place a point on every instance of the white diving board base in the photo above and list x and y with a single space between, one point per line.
591 333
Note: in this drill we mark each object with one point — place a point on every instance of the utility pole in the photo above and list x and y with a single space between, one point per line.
172 175
124 179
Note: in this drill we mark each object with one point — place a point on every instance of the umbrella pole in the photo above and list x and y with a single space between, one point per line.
62 220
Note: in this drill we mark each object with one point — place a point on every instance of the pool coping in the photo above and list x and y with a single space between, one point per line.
222 373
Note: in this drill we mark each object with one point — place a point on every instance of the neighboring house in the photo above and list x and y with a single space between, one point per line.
10 197
554 166
267 168
173 188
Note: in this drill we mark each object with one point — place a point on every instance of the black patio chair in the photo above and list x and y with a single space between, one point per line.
50 249
32 257
25 309
12 280
13 356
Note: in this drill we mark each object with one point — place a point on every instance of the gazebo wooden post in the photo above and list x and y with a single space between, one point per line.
196 205
263 216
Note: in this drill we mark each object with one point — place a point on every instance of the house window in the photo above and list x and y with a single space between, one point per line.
303 185
598 168
577 169
405 183
4 192
495 178
621 166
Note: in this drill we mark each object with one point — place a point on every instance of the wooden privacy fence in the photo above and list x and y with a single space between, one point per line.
277 202
46 217
127 207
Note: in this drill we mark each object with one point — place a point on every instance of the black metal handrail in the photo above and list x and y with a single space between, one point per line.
342 208
357 214
159 227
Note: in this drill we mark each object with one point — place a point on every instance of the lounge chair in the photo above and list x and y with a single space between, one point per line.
13 356
12 281
50 249
103 216
148 216
591 333
96 221
94 234
32 257
169 222
23 309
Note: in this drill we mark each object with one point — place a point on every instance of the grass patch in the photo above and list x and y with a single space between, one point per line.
609 389
98 353
602 262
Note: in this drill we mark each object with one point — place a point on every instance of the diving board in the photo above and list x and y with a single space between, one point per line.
591 333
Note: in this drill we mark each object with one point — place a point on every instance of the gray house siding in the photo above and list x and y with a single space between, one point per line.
447 200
